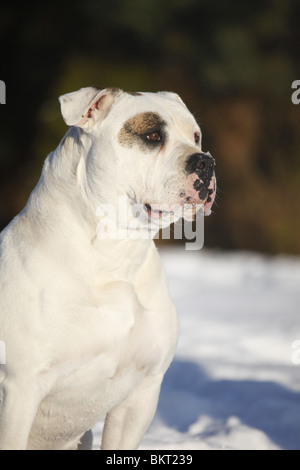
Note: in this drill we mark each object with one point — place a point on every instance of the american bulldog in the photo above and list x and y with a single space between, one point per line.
87 321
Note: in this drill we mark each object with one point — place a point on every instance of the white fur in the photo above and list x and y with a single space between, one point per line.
88 324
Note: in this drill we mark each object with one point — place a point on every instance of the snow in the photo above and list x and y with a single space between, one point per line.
234 382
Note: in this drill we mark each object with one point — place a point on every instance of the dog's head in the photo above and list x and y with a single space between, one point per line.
146 146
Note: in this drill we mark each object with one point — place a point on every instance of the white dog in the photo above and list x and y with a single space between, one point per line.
87 321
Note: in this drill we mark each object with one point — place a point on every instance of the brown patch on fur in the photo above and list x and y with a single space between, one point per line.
113 89
139 126
135 131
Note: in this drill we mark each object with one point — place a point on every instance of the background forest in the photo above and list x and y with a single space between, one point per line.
232 62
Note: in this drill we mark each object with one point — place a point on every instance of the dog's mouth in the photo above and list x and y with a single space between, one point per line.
165 214
162 211
158 211
188 207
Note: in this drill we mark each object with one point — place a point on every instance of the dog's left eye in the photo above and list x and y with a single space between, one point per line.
197 138
154 137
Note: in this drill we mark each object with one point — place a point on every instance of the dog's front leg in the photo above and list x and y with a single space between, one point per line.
18 406
127 422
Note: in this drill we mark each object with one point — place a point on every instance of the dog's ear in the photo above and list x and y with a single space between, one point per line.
83 108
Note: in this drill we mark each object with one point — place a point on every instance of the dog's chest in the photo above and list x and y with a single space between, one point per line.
93 381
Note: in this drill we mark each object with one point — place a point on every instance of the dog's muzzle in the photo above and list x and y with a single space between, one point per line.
198 189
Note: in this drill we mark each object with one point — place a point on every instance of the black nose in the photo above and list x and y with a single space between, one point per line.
200 163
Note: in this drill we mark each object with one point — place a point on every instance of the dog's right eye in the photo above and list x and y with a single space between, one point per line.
154 136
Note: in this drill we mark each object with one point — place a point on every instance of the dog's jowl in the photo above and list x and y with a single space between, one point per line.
87 322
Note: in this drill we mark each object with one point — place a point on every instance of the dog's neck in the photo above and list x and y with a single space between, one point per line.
59 186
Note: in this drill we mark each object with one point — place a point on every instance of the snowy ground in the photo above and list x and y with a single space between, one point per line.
235 380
